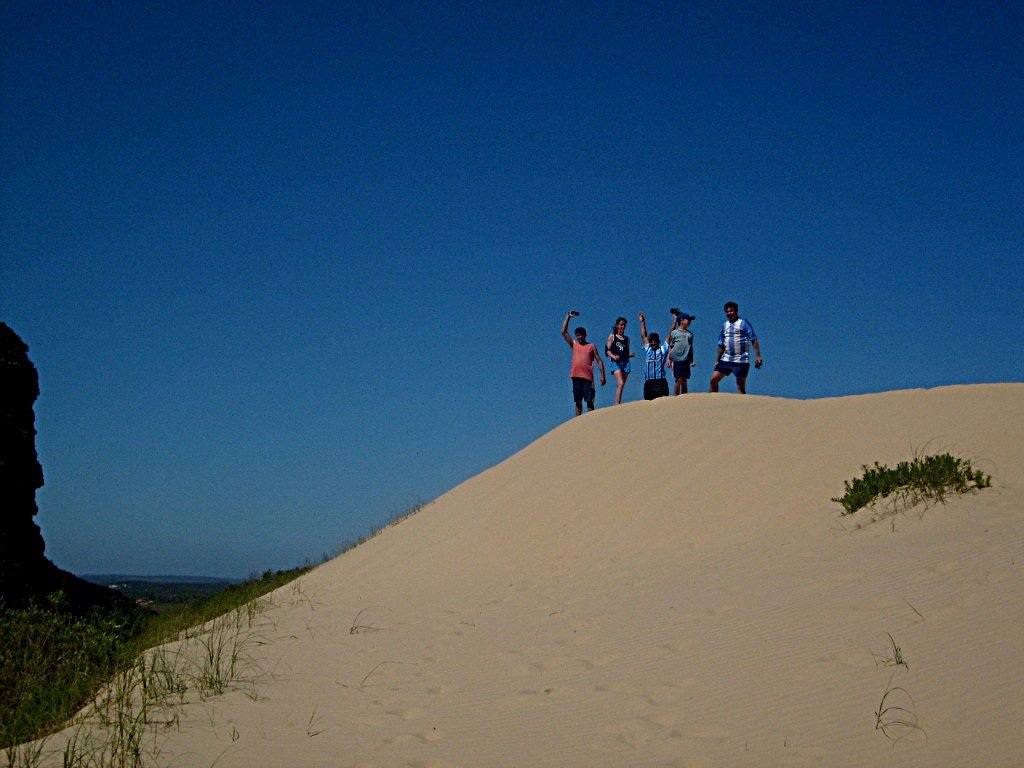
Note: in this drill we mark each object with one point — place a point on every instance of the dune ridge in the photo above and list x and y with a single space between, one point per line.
663 584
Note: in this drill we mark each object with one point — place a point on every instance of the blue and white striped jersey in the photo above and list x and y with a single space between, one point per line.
654 361
736 338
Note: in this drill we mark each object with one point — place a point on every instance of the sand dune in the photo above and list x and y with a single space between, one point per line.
662 584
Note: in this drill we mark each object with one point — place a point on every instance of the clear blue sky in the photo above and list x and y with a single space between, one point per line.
288 268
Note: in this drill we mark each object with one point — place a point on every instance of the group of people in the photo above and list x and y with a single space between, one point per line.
735 341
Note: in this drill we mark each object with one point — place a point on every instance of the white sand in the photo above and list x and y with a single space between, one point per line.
663 584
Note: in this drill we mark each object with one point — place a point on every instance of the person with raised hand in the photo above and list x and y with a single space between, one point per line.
680 350
655 355
581 371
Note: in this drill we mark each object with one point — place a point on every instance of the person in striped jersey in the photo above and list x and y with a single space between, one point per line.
734 343
655 355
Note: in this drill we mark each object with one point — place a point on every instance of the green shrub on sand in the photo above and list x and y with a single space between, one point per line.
925 478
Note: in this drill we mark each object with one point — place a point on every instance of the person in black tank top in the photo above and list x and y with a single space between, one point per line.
617 350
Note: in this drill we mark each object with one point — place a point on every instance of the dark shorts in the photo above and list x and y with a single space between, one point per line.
680 370
655 388
582 389
740 369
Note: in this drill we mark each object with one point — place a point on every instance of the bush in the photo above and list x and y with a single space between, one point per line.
50 662
927 478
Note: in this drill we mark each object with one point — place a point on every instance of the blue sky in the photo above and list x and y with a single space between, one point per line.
287 269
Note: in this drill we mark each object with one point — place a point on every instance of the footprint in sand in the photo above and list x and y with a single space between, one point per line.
554 662
662 719
701 731
660 695
443 690
408 713
430 736
618 687
636 733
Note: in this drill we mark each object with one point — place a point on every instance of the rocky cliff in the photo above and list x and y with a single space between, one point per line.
25 573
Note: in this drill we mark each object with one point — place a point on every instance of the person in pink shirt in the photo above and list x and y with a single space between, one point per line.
584 355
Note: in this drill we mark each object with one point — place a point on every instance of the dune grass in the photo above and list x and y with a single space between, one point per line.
925 478
168 625
53 662
896 715
107 677
125 724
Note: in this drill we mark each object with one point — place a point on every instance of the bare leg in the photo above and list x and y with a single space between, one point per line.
682 386
741 384
716 377
620 379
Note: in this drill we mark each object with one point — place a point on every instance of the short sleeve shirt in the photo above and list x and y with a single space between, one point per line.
680 343
654 361
736 339
583 356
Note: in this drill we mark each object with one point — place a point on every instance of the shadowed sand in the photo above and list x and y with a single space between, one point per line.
663 584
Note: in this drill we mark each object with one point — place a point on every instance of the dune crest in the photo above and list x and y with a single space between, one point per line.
663 584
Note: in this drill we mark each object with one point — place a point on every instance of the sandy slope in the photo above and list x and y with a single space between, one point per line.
662 583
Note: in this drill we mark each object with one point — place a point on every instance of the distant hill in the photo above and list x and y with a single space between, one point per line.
157 591
106 579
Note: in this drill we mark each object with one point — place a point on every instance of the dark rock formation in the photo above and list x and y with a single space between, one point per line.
25 573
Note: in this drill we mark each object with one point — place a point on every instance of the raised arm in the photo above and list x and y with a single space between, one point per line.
565 328
643 327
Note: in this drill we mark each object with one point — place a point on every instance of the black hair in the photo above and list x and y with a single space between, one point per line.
580 329
732 304
654 338
617 321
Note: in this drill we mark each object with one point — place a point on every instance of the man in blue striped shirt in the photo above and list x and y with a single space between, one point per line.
734 343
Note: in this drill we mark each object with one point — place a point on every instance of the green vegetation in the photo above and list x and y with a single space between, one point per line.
165 595
118 680
171 623
925 478
53 662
